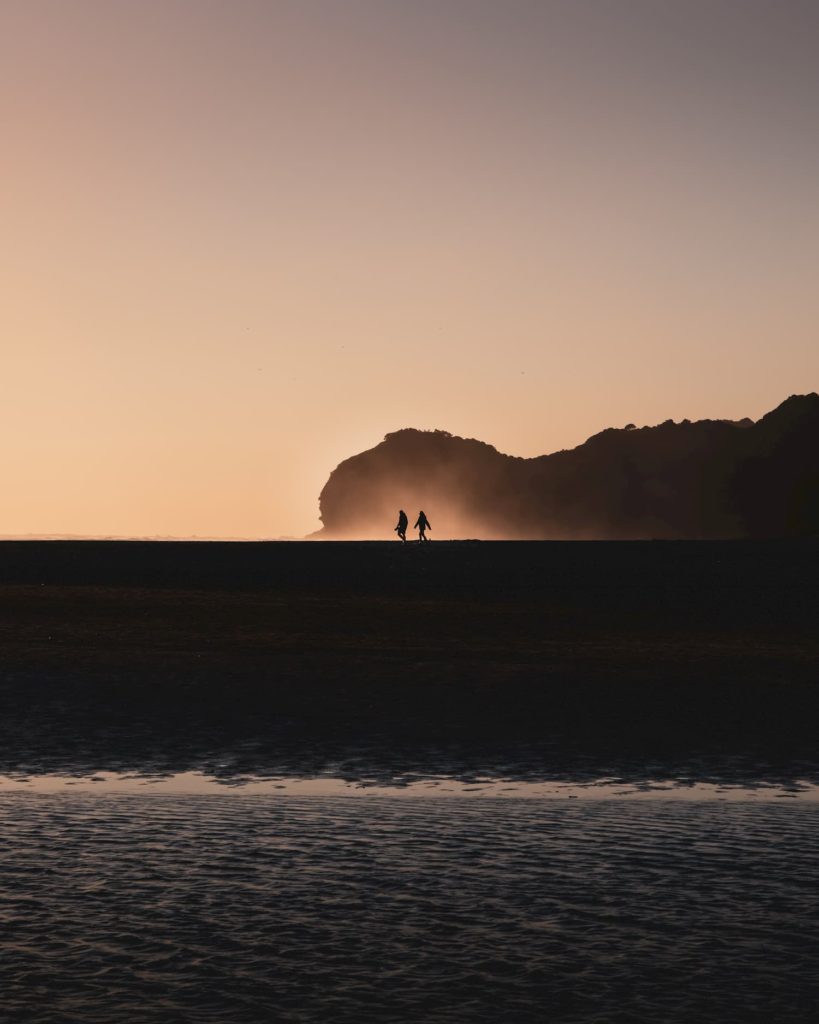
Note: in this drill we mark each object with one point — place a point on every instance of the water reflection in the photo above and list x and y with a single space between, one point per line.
195 783
187 745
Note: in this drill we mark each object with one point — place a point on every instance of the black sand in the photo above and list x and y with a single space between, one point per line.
555 658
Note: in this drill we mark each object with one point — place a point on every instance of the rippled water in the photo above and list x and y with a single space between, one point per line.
123 907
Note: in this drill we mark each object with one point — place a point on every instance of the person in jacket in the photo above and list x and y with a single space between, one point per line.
422 525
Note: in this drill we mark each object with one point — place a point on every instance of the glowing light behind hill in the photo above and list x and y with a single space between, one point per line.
242 241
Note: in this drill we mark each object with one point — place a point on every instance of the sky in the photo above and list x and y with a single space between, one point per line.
241 241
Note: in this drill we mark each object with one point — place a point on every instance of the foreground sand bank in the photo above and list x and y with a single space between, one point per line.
629 650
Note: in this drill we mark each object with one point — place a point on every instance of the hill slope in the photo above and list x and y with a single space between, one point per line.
707 479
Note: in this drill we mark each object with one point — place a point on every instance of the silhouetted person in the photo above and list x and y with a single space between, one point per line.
403 523
421 526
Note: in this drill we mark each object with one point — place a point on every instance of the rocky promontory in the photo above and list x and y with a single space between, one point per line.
687 480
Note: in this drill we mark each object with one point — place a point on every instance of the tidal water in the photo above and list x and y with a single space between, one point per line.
126 905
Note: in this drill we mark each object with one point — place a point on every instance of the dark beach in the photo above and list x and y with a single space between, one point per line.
558 659
573 781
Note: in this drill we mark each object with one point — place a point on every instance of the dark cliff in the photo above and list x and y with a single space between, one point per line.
707 479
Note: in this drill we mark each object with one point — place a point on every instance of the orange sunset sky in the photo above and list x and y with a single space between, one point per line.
243 240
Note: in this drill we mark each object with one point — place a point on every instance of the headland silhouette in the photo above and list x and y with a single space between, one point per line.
711 479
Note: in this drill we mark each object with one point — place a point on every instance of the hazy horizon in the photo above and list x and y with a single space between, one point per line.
245 241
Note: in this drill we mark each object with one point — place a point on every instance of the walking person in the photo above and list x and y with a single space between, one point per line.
422 525
403 523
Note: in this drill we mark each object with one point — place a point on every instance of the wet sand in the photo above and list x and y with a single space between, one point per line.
584 659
